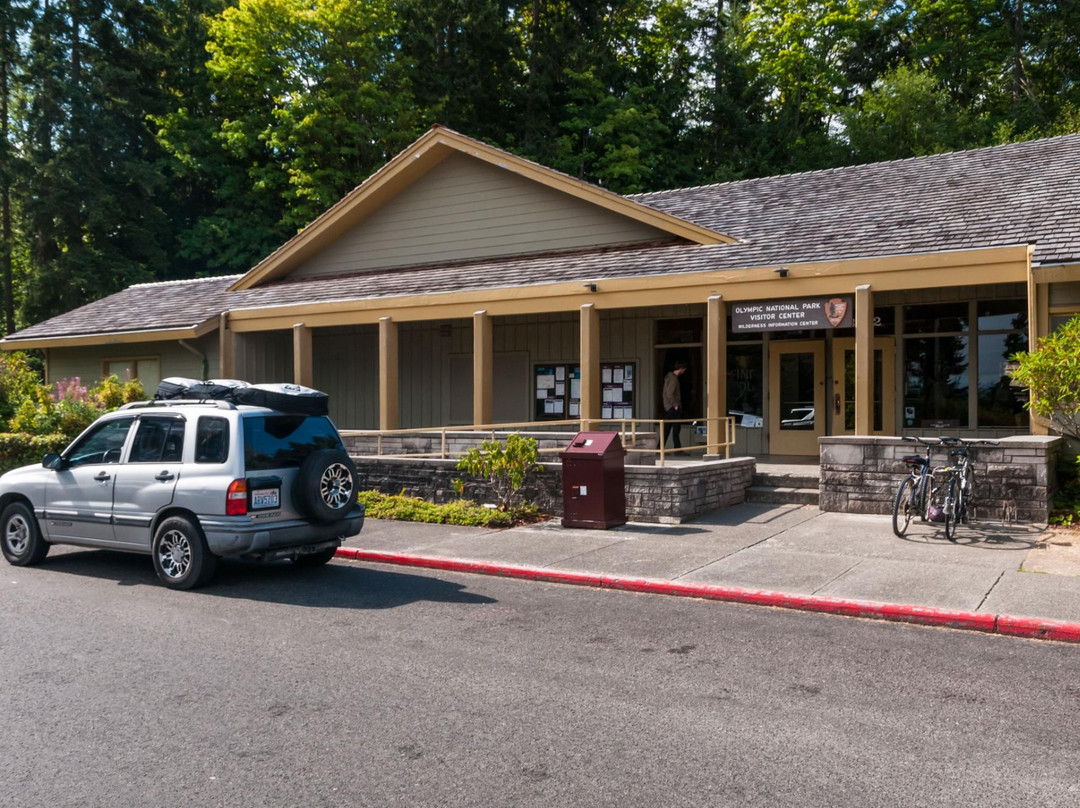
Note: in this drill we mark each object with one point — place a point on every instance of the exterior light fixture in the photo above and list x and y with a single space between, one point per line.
591 287
782 272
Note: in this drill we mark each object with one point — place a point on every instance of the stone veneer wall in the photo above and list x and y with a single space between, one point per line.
669 494
459 442
861 474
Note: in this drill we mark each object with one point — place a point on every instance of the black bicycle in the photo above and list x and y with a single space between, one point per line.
958 488
913 495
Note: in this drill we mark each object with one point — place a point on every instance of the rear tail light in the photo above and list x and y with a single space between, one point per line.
236 498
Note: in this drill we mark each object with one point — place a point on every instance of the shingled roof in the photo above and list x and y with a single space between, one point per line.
1021 193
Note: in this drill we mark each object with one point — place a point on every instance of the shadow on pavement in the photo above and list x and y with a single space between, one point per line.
978 536
338 585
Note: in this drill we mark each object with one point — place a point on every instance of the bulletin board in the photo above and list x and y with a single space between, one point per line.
557 391
617 382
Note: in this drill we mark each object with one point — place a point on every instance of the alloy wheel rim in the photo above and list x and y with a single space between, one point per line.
336 486
17 535
174 554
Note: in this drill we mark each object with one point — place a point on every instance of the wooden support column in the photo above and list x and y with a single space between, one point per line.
303 357
226 348
864 360
716 375
388 373
483 365
1038 305
590 365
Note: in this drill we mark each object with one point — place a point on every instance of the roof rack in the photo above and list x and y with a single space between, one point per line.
181 402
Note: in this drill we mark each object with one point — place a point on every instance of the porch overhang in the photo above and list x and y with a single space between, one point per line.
989 265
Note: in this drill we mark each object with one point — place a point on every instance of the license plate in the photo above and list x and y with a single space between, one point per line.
266 498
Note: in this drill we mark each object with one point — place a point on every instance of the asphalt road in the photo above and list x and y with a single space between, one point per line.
381 686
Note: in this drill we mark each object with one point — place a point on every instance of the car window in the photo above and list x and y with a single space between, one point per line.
284 441
158 440
212 440
102 445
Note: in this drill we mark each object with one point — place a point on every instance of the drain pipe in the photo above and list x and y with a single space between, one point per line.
201 355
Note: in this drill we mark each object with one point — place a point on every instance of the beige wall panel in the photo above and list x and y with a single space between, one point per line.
1062 294
86 362
346 368
464 209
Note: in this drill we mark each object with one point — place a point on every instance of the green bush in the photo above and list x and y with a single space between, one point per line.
1066 507
19 449
68 407
459 512
1052 373
505 467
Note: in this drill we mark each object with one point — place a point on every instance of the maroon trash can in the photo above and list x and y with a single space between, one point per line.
594 481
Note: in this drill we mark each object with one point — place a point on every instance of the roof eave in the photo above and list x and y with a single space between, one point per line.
111 337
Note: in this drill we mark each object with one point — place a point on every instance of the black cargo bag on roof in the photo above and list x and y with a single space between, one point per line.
291 398
216 389
174 387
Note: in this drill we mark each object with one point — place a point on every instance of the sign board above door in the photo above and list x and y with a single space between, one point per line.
794 314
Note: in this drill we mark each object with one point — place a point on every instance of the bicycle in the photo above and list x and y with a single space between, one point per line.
913 494
959 485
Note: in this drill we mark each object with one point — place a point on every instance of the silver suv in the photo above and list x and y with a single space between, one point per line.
188 482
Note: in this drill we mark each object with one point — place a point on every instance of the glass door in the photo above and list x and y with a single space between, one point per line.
843 392
796 397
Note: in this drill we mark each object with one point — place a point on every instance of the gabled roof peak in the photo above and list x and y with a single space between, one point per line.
418 159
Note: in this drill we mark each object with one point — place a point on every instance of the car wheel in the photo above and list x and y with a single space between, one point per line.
181 558
316 559
20 536
325 488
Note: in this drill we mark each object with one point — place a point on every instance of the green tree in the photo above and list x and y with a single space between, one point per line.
905 115
91 203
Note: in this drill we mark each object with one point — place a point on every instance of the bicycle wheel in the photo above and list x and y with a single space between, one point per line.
950 508
904 507
967 490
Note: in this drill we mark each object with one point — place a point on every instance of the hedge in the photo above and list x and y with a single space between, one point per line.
21 449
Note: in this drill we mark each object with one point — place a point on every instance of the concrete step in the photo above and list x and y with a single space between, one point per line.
786 480
782 495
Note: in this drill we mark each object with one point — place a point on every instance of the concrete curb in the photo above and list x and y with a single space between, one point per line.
1029 627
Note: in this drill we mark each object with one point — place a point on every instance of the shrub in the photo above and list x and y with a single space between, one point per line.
505 467
1052 372
18 449
69 407
1066 507
459 512
18 383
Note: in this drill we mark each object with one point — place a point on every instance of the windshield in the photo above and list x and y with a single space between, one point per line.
285 441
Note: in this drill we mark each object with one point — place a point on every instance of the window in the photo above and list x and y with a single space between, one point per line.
103 445
936 382
158 440
147 371
212 440
1000 403
284 441
744 385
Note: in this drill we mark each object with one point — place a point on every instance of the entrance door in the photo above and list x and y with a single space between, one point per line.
796 397
843 392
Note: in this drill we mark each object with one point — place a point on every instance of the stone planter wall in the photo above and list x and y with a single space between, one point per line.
669 495
861 475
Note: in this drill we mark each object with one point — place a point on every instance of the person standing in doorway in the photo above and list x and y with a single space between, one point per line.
673 404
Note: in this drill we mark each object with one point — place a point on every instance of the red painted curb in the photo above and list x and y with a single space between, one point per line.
1033 628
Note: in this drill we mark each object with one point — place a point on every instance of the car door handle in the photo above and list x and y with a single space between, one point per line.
164 477
102 476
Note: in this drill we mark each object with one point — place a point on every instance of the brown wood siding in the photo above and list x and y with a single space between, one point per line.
264 357
466 209
346 368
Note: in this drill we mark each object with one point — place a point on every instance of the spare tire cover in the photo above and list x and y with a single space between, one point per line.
325 487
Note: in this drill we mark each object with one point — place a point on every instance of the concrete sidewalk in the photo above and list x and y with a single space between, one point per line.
789 549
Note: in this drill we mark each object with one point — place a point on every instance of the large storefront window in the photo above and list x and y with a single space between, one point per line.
957 355
744 385
1000 403
936 382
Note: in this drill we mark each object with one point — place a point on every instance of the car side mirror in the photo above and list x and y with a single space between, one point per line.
54 461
